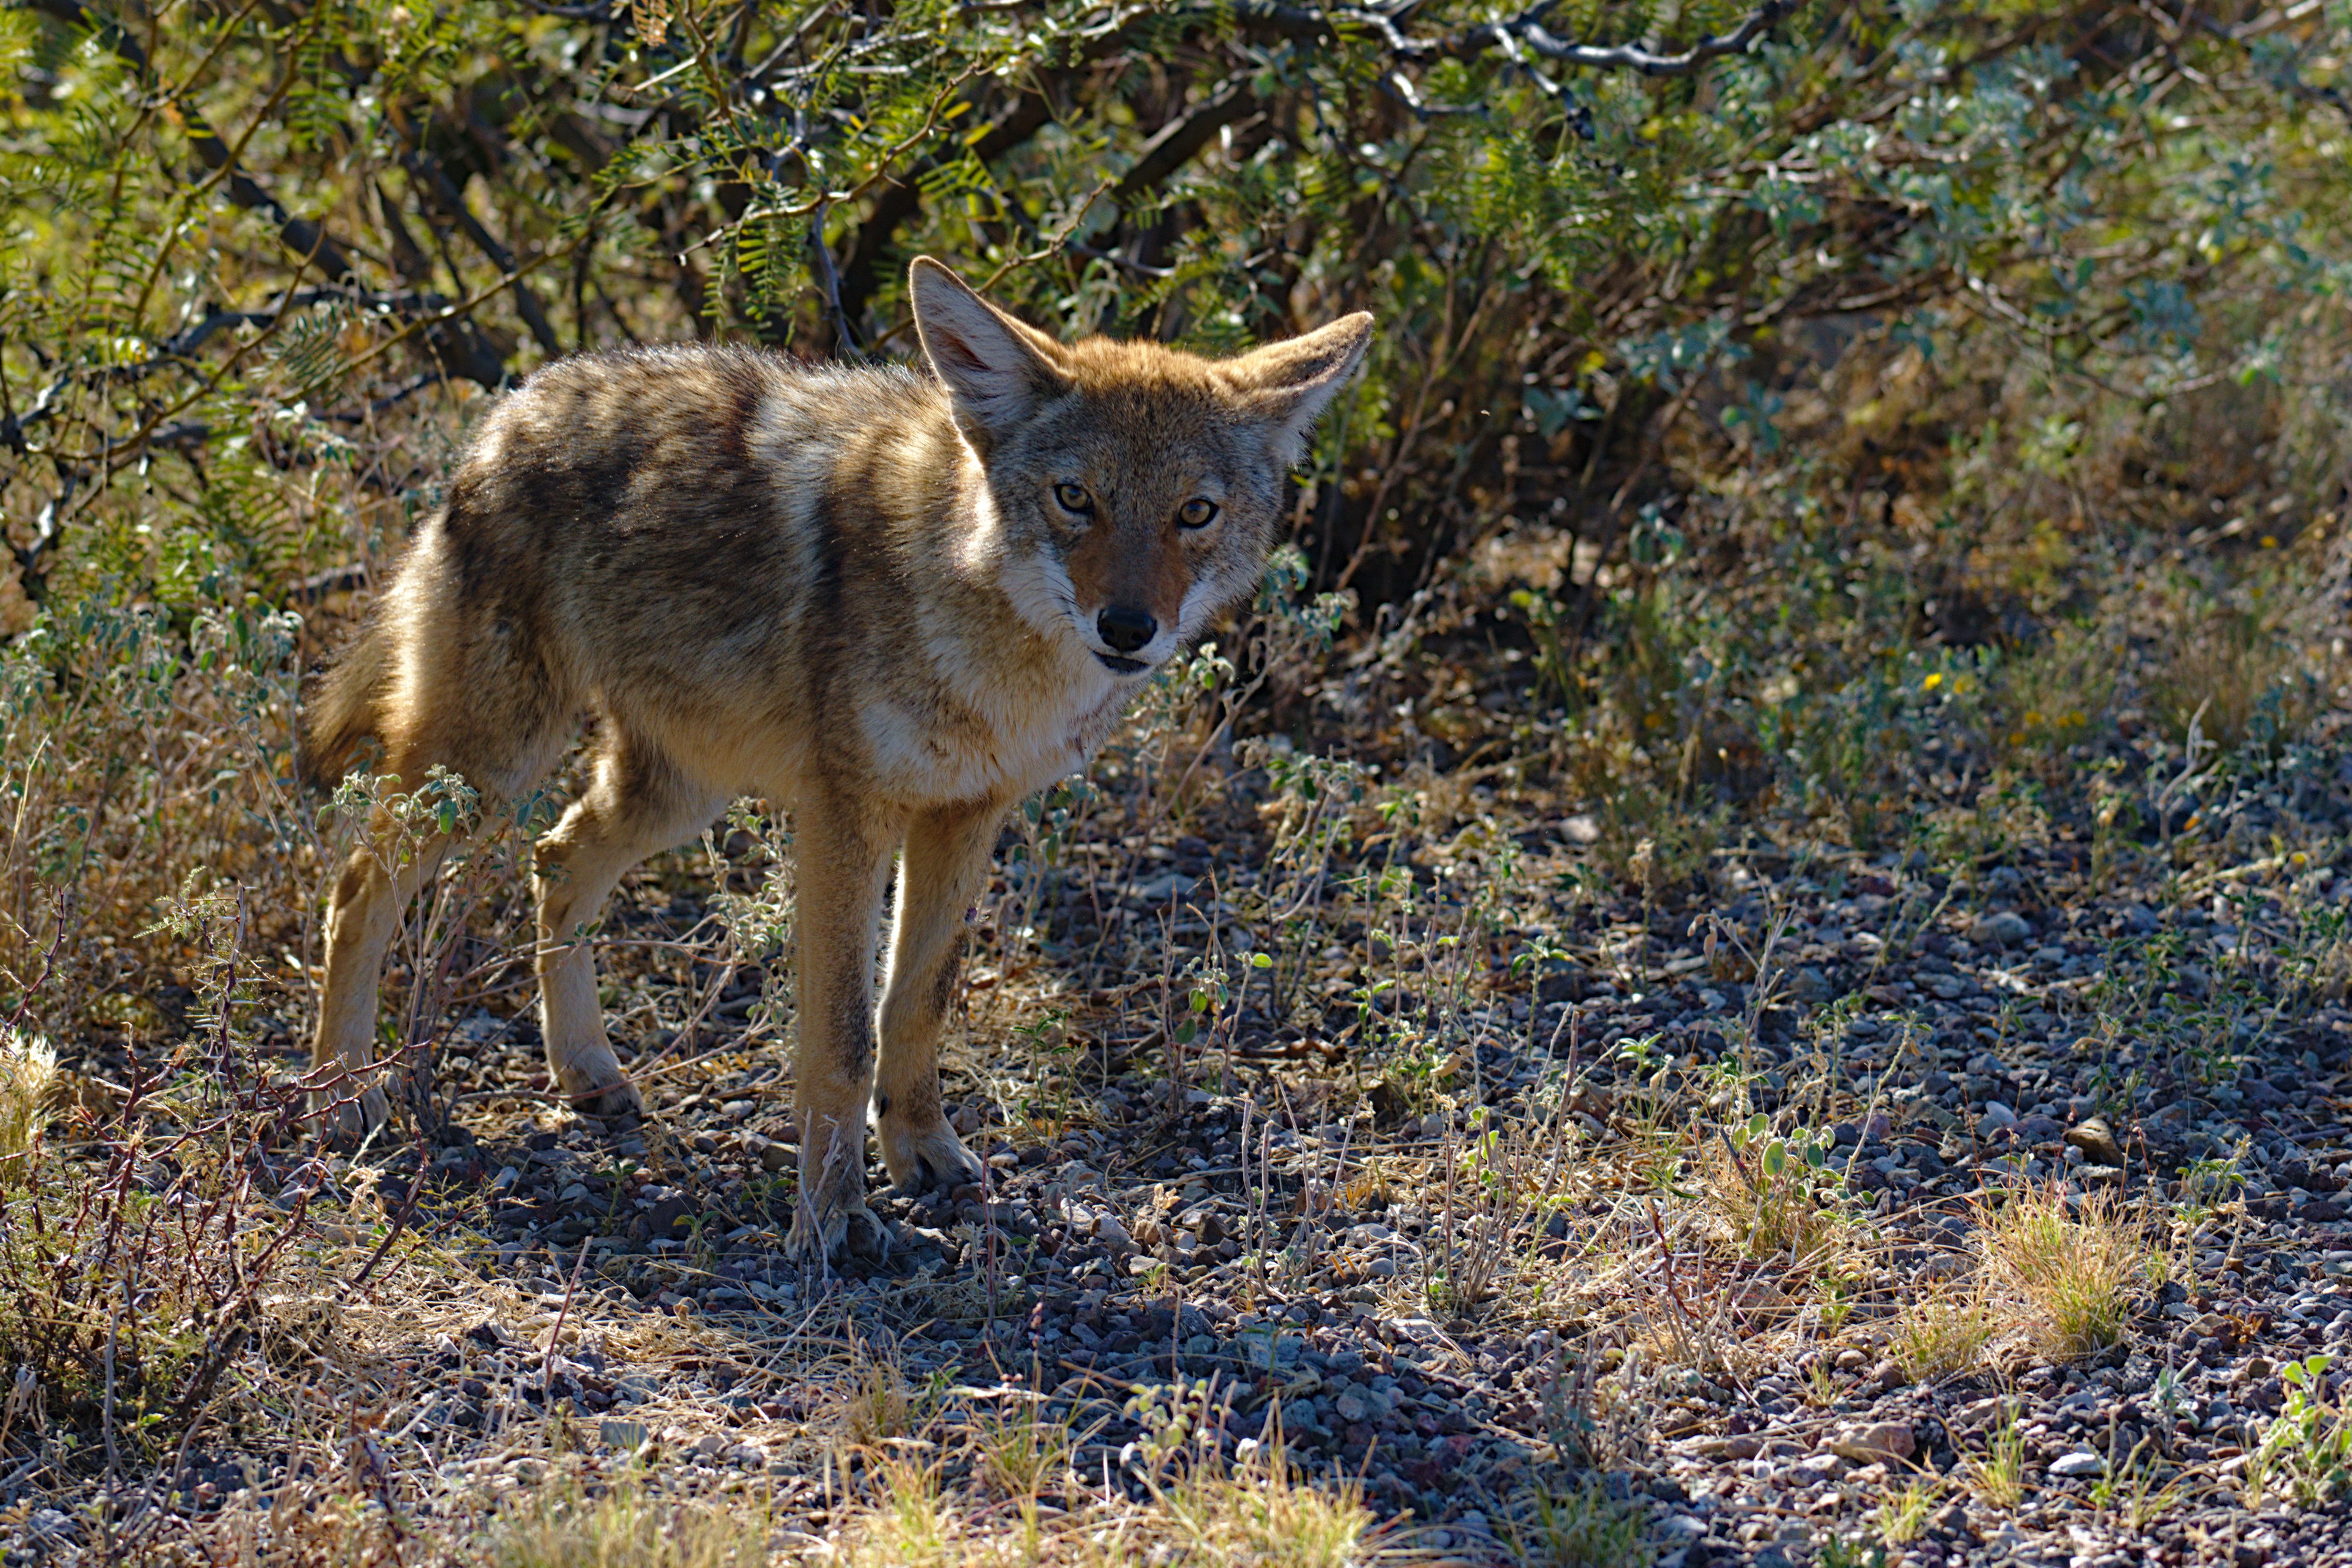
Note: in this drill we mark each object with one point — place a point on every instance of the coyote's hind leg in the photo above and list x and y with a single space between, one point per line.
363 917
945 862
639 803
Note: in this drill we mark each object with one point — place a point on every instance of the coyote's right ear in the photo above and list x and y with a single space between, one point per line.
997 369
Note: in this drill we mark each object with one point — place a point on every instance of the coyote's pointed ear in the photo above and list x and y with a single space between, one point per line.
1288 383
997 370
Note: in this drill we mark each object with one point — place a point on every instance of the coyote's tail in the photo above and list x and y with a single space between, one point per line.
341 711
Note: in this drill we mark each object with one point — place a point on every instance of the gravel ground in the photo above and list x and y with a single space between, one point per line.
2030 1031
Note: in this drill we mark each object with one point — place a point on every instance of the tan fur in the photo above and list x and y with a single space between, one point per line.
852 592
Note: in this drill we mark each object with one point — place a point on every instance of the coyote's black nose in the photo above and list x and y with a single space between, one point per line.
1125 629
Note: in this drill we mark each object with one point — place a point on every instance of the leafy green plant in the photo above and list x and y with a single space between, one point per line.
1778 1190
2306 1451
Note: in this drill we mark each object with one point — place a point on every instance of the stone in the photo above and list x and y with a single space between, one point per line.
1997 1118
625 1436
2003 928
1880 1442
2097 1139
1742 1445
2078 1463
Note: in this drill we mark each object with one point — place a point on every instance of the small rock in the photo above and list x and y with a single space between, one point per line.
772 1156
2097 1139
2003 928
626 1435
1108 1228
1880 1442
2079 1463
1997 1118
2261 1094
1744 1446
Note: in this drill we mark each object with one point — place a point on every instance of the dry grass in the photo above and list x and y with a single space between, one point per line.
2233 677
1903 1517
1578 1525
1941 1333
28 1073
1254 1512
561 1526
1997 1474
1776 1194
2069 1266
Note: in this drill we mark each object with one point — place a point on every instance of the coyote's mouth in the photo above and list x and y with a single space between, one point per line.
1122 666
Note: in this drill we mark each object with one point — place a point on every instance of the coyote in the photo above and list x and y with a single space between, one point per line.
892 604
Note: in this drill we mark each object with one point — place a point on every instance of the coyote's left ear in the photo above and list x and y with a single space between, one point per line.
1287 384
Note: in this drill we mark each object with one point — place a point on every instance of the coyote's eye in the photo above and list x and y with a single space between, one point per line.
1197 512
1073 498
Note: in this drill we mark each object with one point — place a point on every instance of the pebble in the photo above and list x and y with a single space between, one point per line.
1880 1442
2097 1139
2003 928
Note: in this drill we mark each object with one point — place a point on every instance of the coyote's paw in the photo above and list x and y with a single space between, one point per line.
344 1121
825 1230
595 1084
926 1158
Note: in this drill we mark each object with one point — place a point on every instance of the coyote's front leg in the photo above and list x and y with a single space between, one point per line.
945 861
842 856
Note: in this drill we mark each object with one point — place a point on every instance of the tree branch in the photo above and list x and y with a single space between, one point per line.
1173 145
434 181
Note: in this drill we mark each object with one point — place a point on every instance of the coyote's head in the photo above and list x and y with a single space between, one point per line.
1137 490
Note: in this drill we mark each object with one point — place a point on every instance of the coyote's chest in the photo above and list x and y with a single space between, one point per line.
993 735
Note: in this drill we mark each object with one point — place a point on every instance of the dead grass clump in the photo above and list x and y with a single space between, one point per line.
1019 1452
1942 1334
28 1071
2237 679
2056 695
2072 1266
561 1527
1578 1526
876 1405
1997 1476
1262 1512
1255 1512
910 1523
